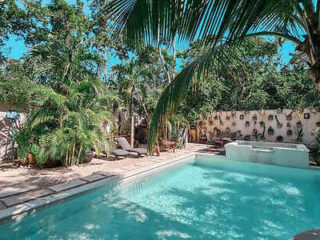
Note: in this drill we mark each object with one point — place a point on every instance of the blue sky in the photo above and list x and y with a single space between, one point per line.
15 47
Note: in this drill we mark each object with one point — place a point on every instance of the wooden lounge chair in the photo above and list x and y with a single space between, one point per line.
120 153
126 146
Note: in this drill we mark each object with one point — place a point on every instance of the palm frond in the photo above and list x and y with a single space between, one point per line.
217 59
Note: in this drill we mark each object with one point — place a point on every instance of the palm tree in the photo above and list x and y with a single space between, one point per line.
218 24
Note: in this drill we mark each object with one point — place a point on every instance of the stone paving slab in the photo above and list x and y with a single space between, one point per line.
145 163
67 185
24 197
9 191
2 206
93 178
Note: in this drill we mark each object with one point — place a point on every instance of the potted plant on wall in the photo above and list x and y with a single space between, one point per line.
289 132
299 124
270 131
262 123
315 148
270 117
247 124
279 138
254 118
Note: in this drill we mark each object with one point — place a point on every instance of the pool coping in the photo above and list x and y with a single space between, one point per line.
84 186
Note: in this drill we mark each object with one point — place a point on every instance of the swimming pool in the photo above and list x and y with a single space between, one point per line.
211 198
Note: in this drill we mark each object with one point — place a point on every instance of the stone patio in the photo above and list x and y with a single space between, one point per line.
20 185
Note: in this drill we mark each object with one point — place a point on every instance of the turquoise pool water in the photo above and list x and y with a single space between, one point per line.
220 200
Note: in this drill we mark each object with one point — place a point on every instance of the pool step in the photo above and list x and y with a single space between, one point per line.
24 197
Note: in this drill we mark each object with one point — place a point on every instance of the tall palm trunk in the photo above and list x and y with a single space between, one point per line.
132 120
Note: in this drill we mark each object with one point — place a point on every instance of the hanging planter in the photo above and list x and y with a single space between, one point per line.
241 117
289 132
254 132
289 116
279 138
227 130
318 124
227 118
299 124
270 117
254 118
247 124
262 123
215 117
288 124
270 131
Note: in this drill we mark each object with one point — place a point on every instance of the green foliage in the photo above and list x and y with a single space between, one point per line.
58 83
315 148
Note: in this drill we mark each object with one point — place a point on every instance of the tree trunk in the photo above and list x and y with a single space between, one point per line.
132 120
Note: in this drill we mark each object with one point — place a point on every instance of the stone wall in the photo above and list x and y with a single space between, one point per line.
285 123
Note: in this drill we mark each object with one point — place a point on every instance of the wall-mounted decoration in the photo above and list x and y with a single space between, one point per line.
247 124
318 124
270 131
306 115
227 118
299 124
233 124
279 124
299 134
254 132
241 117
289 116
279 138
270 117
210 122
227 130
247 138
262 123
254 117
288 124
279 110
215 117
289 132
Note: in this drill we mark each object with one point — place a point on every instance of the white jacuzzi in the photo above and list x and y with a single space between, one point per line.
284 154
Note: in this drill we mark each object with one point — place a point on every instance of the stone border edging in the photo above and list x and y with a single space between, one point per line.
79 186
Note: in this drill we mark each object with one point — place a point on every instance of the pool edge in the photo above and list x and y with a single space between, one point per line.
10 213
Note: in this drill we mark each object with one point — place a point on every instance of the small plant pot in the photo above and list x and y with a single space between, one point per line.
299 124
247 124
318 124
288 117
288 124
270 117
279 138
254 118
279 125
262 124
289 132
270 131
227 118
227 130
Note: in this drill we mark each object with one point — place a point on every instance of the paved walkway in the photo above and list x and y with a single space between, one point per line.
20 185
